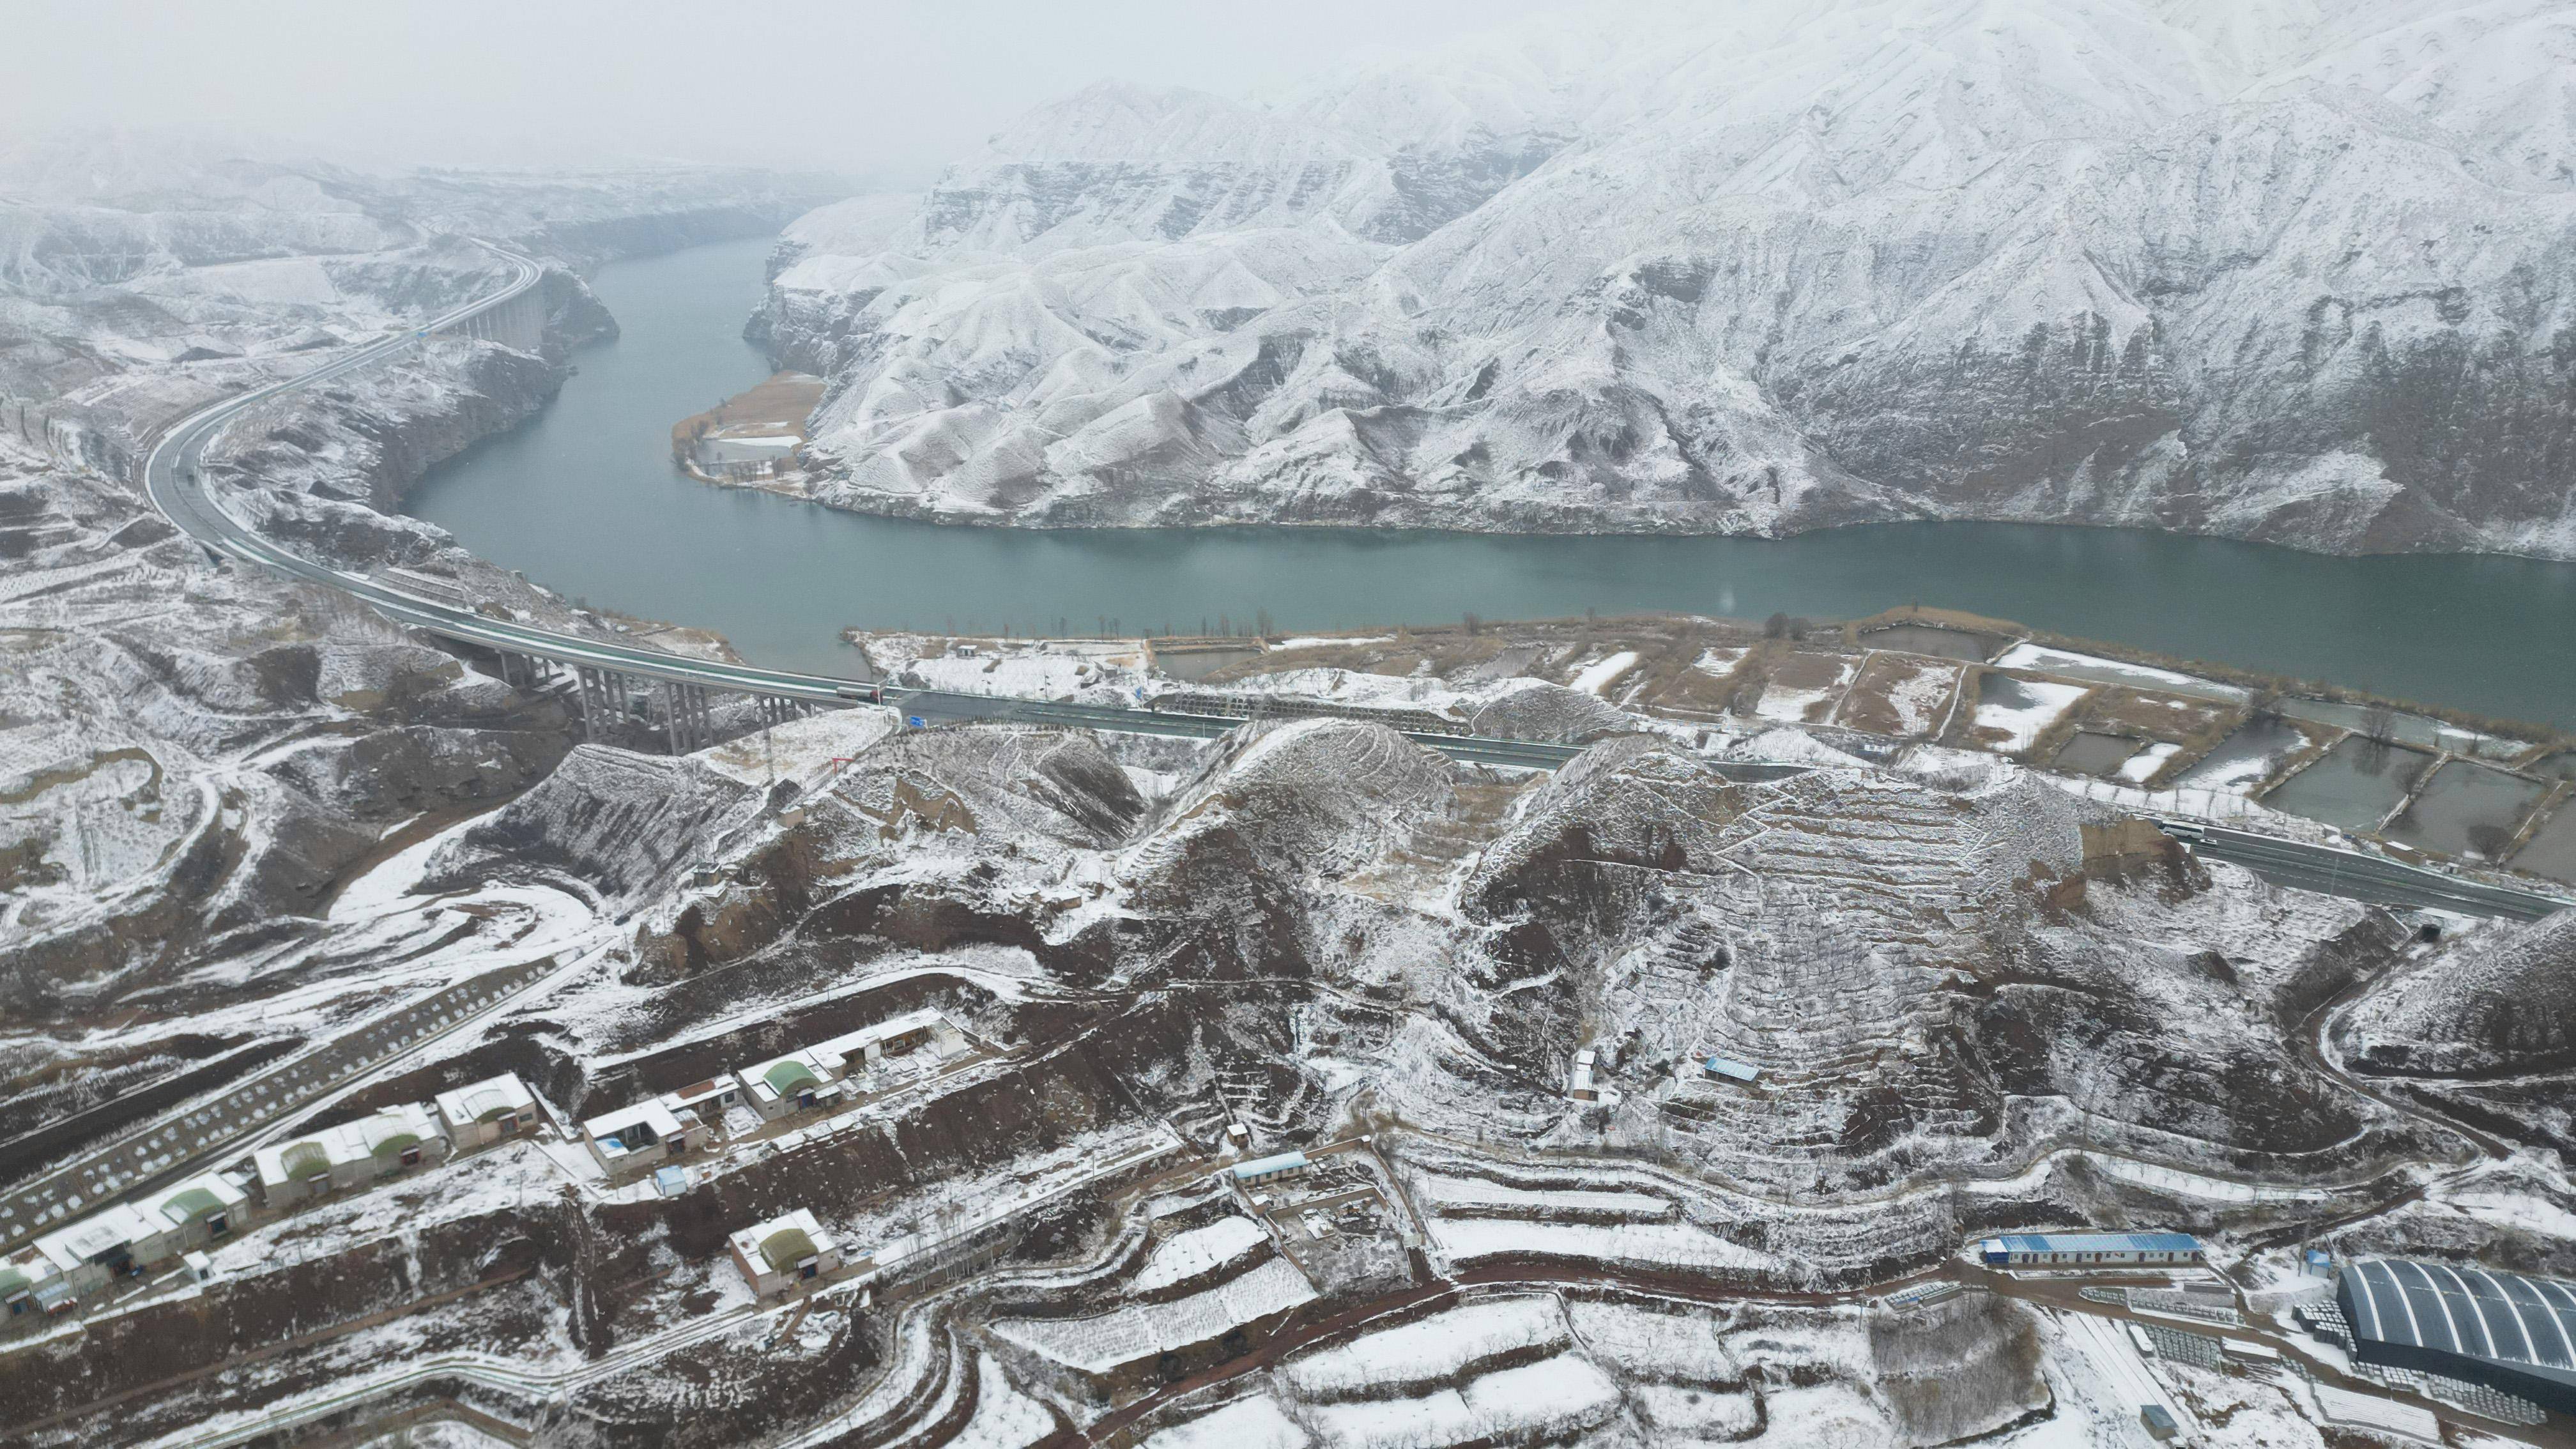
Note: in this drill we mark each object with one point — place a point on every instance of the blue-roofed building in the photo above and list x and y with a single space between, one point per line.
2091 1250
1263 1169
2509 1331
1731 1069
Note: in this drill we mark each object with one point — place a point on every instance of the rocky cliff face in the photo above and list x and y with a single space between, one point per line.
2285 277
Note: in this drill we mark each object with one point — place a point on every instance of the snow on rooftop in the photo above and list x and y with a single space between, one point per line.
803 1234
491 1097
650 1113
111 1227
2099 1243
1260 1166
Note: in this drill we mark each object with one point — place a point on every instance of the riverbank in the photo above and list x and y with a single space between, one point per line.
586 500
2147 733
752 438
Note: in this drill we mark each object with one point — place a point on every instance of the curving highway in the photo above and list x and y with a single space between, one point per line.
2375 878
172 478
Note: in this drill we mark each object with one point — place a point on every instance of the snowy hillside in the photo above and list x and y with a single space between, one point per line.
2290 272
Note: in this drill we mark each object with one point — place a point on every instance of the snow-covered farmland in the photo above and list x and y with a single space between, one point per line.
2013 713
1428 1350
2099 670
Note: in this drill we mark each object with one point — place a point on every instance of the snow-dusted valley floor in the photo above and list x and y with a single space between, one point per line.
389 1058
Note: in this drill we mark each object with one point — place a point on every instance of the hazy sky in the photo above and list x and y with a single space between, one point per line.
864 87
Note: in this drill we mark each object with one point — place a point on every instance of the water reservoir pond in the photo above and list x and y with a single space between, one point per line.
585 500
2354 786
2467 809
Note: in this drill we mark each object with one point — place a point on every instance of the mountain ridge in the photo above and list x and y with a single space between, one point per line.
2139 262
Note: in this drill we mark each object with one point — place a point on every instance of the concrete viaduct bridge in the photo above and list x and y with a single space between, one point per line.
621 685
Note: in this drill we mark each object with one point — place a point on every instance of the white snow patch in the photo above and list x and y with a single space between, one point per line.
1553 1397
802 749
1660 1245
2142 766
1200 1250
2099 670
1104 1342
1254 1423
1597 676
1428 1349
1004 1417
1450 1193
393 881
2023 723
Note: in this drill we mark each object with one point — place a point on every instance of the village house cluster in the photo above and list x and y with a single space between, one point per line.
130 1239
136 1238
650 1133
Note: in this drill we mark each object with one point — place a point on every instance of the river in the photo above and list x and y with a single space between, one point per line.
585 500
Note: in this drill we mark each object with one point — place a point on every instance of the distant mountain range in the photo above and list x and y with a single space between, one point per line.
2272 269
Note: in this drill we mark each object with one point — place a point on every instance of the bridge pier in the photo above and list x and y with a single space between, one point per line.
688 720
593 702
518 323
682 713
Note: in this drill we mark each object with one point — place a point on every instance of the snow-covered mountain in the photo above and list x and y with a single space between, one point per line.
2288 271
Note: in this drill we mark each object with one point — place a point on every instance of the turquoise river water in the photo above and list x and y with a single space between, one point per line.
586 501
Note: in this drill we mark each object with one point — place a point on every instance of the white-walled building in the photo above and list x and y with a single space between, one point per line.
796 1082
640 1136
1266 1169
705 1102
30 1283
2090 1250
395 1140
1578 1083
80 1258
813 1076
777 1255
198 1211
110 1243
485 1112
862 1050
